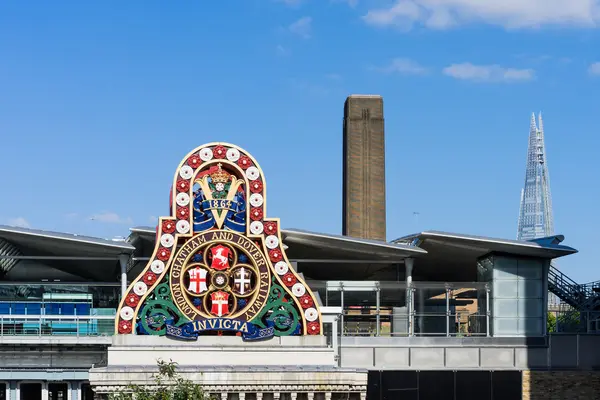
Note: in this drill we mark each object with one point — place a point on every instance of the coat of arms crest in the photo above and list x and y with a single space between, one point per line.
219 263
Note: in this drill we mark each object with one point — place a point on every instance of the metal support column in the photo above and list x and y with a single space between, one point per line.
421 305
487 312
448 311
342 305
335 339
44 390
377 310
123 261
410 301
77 390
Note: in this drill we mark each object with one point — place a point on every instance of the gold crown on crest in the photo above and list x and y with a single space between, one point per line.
219 296
219 176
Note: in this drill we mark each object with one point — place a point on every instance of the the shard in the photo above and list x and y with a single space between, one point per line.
535 214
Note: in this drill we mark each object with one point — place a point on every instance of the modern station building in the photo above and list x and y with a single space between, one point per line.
254 311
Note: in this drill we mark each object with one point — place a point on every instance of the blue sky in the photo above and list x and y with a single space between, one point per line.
99 101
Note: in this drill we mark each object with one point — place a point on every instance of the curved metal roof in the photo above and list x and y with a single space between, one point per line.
349 245
19 236
86 257
543 247
7 250
328 245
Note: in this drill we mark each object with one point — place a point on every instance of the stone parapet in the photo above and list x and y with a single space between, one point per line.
214 351
298 366
256 380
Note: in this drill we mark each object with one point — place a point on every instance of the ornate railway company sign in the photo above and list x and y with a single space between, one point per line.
218 266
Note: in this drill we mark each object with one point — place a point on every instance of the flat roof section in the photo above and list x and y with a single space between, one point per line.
365 96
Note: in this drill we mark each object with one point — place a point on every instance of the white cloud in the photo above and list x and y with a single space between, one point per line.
282 51
302 27
19 222
488 73
403 66
594 69
111 218
510 14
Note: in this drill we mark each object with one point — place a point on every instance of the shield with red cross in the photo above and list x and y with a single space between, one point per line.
219 303
197 280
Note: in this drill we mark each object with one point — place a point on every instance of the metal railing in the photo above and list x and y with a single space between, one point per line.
57 325
425 324
451 309
569 320
582 297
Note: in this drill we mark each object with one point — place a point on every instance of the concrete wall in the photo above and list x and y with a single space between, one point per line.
129 350
51 357
563 352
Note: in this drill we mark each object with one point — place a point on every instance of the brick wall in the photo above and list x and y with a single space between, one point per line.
364 168
559 385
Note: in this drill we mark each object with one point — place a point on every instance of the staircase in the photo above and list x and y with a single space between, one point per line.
583 298
569 291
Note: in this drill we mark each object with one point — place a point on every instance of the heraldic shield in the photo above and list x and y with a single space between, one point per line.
219 266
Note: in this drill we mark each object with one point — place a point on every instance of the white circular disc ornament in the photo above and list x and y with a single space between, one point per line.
311 314
186 172
140 288
272 242
157 267
256 227
183 226
167 240
126 313
252 173
298 289
233 155
182 199
281 268
206 154
256 200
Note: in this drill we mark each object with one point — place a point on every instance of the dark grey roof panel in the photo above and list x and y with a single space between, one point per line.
328 243
350 244
89 258
16 235
544 248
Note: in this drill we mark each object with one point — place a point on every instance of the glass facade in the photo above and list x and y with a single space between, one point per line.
374 308
58 308
508 300
519 294
518 297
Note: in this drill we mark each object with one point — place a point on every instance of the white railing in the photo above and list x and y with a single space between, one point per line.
57 325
